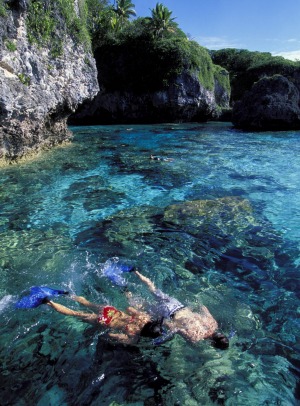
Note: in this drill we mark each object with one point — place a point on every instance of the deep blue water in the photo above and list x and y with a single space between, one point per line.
218 225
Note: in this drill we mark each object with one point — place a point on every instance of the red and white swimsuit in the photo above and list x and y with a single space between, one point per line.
108 313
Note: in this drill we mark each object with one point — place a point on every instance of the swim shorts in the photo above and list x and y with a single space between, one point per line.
167 305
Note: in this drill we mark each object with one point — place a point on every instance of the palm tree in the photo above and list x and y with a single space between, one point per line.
161 20
124 9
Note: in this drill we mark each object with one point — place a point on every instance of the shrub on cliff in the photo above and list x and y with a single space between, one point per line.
48 22
2 8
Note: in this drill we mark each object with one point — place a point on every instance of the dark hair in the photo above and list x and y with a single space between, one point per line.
220 341
152 329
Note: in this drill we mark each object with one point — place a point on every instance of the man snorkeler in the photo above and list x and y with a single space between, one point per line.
180 319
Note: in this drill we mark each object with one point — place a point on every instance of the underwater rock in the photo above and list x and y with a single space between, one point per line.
124 232
102 198
129 224
229 214
15 253
199 232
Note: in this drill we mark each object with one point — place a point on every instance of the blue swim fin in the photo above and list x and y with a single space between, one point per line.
126 268
114 270
44 290
30 301
37 296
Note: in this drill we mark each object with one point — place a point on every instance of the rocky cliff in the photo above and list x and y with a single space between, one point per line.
265 89
38 90
145 79
185 99
271 104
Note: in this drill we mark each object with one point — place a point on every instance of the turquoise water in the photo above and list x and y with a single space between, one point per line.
218 225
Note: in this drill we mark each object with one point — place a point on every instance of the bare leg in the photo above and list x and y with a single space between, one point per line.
147 281
87 317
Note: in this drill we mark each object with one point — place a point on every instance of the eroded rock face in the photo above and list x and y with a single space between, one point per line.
186 99
38 91
271 104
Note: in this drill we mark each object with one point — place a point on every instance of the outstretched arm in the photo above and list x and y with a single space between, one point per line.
147 281
122 338
91 318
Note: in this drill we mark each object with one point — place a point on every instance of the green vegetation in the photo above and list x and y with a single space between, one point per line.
40 22
221 75
3 12
146 54
238 60
123 11
246 67
143 54
24 79
10 45
135 60
76 26
161 21
48 22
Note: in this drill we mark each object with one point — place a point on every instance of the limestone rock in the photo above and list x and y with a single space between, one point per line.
37 90
185 99
271 104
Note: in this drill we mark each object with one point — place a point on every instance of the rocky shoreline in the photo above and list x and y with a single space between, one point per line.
40 94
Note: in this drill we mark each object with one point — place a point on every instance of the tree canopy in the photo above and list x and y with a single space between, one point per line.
123 10
161 21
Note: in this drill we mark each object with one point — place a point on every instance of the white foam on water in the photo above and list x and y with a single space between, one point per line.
5 302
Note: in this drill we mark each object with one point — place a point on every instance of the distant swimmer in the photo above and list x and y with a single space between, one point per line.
158 158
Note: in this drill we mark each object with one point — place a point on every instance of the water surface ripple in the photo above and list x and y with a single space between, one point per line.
219 225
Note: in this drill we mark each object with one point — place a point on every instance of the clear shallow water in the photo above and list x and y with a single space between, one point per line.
235 248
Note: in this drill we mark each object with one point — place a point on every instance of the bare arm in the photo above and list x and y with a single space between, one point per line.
87 317
122 338
147 281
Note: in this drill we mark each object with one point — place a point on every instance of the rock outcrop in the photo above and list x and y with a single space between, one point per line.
271 104
38 91
264 89
144 86
185 99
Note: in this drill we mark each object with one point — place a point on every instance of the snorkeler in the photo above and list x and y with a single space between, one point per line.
127 327
124 327
180 319
158 158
